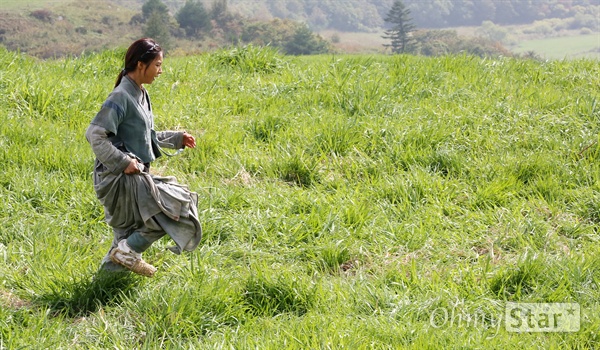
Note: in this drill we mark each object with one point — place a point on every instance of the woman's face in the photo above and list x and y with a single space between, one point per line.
153 69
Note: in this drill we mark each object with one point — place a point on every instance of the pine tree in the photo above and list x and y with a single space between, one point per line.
402 26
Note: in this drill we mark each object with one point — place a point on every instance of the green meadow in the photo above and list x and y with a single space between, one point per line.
359 202
568 47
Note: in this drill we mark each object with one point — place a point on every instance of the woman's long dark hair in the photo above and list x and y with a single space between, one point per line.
142 50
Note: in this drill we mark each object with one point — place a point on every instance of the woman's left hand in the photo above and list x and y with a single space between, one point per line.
189 140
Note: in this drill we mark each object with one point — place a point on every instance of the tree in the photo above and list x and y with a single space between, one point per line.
218 8
305 42
157 22
157 29
402 26
155 6
193 17
219 12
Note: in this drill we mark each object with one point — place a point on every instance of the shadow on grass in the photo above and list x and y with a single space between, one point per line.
269 297
85 296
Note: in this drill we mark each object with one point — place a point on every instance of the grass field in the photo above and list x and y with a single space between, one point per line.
562 47
567 47
347 202
21 5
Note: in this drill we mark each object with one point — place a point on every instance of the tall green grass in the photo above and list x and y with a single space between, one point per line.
345 201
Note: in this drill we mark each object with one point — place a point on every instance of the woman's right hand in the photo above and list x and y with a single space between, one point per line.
133 167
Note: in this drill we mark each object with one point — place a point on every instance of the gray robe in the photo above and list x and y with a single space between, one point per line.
143 202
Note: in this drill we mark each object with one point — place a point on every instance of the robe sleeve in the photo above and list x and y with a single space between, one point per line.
170 139
112 113
113 159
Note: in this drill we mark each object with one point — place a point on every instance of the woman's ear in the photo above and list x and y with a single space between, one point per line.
141 65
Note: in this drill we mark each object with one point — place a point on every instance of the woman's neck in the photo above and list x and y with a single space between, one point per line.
133 77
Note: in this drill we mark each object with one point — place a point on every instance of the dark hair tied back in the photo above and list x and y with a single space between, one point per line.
142 50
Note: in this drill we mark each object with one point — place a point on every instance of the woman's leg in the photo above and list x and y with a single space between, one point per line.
142 240
185 232
106 263
127 249
138 241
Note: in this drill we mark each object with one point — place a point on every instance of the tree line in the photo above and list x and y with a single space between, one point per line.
406 38
195 21
357 15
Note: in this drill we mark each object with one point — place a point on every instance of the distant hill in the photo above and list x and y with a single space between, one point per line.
54 28
367 15
57 28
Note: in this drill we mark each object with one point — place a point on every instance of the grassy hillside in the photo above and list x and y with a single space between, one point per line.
347 202
20 5
59 28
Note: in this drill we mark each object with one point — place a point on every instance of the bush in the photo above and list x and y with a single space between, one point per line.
335 38
581 21
267 33
305 42
136 19
491 31
108 20
443 42
293 38
42 15
543 28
